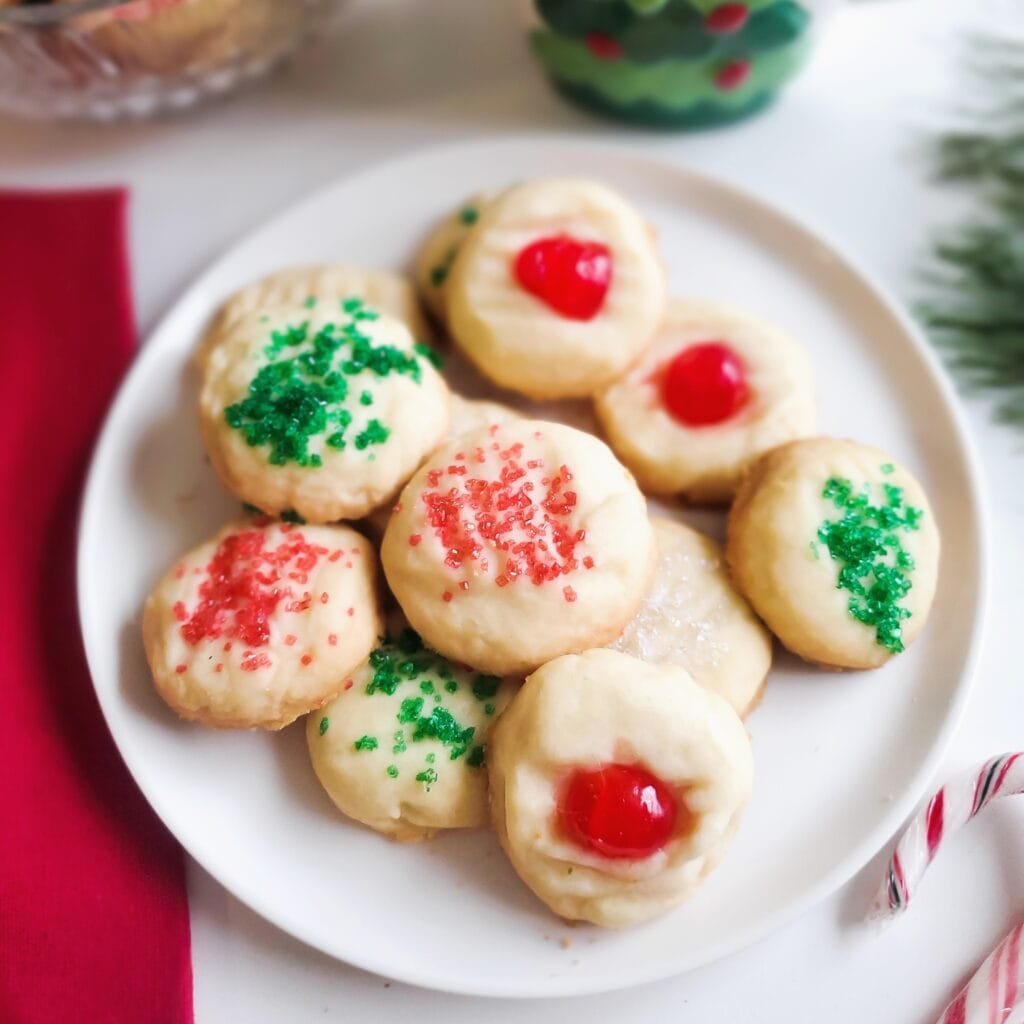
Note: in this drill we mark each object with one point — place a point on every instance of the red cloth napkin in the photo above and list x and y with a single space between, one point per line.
93 914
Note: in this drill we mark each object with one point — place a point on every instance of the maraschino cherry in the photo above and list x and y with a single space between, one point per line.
705 384
620 811
570 276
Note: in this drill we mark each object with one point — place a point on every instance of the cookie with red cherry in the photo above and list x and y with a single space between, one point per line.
557 289
518 543
262 623
616 785
715 390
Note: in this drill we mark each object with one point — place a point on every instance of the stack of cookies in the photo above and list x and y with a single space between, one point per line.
538 653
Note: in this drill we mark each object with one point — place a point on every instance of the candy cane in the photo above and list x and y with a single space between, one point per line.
949 809
994 991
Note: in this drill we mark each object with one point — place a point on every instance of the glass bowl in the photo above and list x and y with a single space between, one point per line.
104 59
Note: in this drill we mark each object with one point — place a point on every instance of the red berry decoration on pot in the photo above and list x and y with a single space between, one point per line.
621 811
705 384
733 74
569 275
727 18
603 46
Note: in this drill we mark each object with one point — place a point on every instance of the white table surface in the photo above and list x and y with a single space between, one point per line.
843 149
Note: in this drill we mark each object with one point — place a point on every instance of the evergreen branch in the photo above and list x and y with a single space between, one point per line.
973 282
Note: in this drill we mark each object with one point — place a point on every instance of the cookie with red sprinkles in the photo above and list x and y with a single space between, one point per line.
262 623
518 543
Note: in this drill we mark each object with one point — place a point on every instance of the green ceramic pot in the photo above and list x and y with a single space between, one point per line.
672 63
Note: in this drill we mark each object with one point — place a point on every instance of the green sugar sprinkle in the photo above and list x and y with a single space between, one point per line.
366 743
393 771
427 687
440 271
251 510
310 302
429 353
469 215
476 757
431 758
302 391
874 566
289 515
887 468
324 725
451 686
374 433
428 777
489 709
485 687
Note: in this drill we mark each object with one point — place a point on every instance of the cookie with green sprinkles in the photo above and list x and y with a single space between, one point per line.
836 547
437 254
324 407
310 285
405 747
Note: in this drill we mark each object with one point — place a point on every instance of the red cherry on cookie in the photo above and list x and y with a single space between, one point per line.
570 276
618 810
726 18
705 384
603 46
732 75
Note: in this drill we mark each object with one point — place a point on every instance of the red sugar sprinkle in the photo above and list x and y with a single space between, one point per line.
348 565
227 647
325 597
588 562
251 662
179 572
446 596
244 585
414 539
570 594
179 611
219 667
335 555
464 585
497 511
398 507
180 668
348 684
350 612
332 639
290 639
306 659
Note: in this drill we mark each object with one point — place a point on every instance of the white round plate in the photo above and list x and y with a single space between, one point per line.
840 758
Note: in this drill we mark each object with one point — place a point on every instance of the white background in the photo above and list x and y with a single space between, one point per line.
844 149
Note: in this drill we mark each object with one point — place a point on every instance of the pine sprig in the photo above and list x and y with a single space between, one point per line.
973 282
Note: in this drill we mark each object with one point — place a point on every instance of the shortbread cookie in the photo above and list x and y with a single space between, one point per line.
401 749
715 390
616 785
383 290
324 408
435 259
262 623
557 290
519 543
836 547
693 616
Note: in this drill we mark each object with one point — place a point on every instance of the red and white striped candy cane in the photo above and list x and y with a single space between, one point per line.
950 808
995 990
